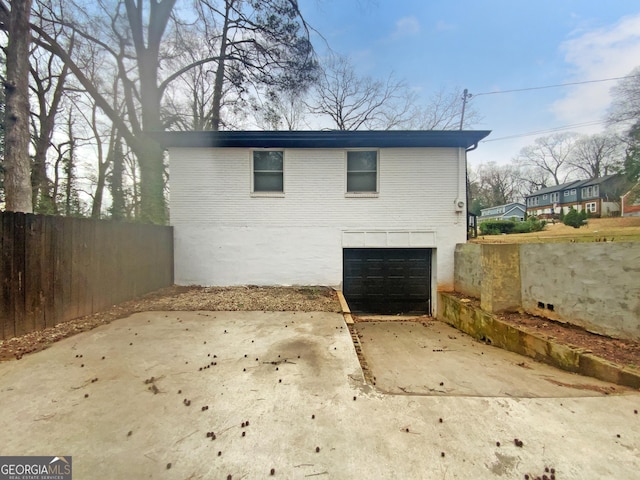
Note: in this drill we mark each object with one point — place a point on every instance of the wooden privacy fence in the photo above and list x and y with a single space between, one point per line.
54 269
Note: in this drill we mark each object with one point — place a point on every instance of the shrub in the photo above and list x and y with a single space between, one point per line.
532 224
574 218
496 227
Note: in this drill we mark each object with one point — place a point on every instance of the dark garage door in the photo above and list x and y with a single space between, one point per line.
387 280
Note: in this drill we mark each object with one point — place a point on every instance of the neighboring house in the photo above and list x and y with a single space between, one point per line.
630 202
376 212
510 211
598 196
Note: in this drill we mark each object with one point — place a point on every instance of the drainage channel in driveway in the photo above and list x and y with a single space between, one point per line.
423 356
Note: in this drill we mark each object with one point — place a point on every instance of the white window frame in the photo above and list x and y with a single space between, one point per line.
259 193
368 194
591 191
591 207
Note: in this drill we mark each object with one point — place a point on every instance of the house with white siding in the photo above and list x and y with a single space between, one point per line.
375 213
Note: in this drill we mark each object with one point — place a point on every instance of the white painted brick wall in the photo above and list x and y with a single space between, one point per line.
224 236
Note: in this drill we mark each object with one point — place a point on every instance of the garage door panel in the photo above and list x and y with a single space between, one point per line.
388 279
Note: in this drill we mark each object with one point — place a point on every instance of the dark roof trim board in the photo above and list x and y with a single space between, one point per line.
323 139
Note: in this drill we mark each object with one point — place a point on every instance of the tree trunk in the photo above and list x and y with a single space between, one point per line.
118 211
150 157
43 201
149 153
17 180
219 80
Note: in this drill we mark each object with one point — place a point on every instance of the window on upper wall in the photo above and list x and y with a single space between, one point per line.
592 191
268 171
362 171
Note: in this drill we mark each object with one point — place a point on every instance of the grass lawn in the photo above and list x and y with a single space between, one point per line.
625 229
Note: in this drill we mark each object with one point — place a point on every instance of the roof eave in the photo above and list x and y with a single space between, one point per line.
322 139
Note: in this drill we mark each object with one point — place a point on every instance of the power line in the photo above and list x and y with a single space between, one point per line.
553 86
550 130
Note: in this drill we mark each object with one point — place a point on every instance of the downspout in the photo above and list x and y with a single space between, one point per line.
466 187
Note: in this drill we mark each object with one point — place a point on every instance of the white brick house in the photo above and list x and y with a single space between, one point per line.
362 210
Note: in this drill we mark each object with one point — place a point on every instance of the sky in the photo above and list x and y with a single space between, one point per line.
493 46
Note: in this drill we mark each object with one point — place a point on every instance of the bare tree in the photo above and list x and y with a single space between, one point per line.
597 155
258 43
14 19
353 102
550 156
279 110
625 105
443 110
48 84
625 114
135 34
493 184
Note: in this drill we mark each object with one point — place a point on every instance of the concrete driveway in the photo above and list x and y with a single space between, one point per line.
433 358
140 398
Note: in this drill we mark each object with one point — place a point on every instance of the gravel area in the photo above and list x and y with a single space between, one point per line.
176 298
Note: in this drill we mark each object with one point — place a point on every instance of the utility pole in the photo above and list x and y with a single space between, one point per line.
465 96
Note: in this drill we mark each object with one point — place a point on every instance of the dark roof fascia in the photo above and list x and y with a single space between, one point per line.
323 139
555 188
599 180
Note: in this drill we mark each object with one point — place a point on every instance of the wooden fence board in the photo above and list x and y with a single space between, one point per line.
49 267
61 270
19 274
54 269
34 239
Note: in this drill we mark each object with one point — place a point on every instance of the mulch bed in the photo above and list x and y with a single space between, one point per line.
621 352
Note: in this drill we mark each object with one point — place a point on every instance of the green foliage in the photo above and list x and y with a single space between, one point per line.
583 215
476 206
631 166
499 227
575 219
496 227
532 224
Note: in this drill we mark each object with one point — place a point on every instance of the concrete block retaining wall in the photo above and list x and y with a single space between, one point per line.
593 285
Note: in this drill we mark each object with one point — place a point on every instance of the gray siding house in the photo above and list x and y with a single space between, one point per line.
510 211
600 197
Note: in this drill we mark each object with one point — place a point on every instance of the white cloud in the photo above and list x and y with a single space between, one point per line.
406 26
607 52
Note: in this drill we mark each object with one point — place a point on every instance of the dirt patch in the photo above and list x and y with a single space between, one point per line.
621 352
250 298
